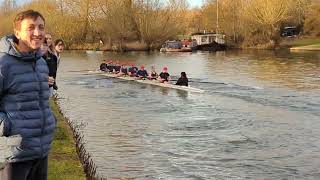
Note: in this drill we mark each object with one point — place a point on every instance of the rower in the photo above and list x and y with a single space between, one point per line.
123 70
142 73
164 76
183 80
133 70
110 66
153 74
103 65
116 68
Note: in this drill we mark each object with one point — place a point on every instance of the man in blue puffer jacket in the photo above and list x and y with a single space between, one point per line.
24 97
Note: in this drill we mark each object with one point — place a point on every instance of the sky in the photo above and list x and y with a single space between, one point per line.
195 3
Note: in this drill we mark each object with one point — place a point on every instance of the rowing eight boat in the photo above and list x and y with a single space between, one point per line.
151 82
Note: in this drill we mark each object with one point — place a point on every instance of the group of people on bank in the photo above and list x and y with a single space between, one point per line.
51 53
130 69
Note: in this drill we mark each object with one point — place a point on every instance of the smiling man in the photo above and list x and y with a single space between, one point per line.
24 97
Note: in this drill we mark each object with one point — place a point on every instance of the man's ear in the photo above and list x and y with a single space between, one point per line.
17 34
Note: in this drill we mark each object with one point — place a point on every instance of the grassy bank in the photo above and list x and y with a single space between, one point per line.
63 159
303 41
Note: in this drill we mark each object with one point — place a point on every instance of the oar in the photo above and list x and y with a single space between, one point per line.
206 82
85 70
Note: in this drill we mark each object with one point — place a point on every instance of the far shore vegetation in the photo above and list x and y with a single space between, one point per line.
146 24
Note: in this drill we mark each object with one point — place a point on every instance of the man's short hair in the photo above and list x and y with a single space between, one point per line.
26 14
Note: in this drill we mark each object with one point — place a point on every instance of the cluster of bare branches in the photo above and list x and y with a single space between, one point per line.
251 22
151 22
111 21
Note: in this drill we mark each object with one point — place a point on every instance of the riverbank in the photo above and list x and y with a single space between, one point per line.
302 43
313 47
64 162
127 46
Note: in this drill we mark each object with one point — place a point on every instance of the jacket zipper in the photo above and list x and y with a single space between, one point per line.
41 105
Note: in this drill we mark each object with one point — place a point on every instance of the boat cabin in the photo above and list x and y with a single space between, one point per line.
172 44
208 38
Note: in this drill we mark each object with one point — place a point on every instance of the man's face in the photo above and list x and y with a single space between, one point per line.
31 34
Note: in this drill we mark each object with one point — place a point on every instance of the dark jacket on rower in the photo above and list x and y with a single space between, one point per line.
165 76
142 73
124 70
133 70
24 102
103 67
116 69
182 81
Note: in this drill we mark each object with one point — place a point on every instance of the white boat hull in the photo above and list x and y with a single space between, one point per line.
151 82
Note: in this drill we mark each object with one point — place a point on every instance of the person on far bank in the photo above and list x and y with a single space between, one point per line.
24 102
164 76
58 49
183 80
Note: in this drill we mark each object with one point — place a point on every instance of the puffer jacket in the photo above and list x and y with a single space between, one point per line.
24 101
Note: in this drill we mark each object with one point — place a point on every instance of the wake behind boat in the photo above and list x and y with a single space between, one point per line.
151 82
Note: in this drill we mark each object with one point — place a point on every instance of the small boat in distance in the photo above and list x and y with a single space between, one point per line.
94 52
178 46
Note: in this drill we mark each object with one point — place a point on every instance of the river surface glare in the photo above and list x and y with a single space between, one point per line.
259 117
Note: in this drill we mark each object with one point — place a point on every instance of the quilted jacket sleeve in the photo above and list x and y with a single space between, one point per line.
4 123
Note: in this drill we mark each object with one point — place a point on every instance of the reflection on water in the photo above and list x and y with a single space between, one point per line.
258 119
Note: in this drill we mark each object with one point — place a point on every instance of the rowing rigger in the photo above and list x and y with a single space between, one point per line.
151 82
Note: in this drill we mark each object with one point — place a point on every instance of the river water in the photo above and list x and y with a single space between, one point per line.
259 117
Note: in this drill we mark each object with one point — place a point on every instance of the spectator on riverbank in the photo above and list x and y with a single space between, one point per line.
51 59
58 49
24 103
59 46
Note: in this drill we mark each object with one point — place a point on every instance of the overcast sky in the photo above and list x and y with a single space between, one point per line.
195 3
